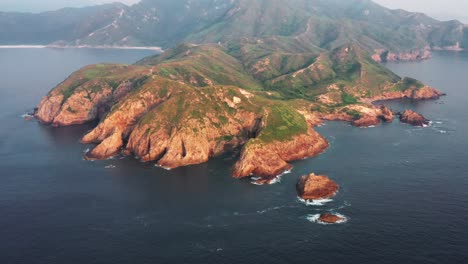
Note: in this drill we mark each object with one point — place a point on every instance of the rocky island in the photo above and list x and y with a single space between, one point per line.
331 218
232 89
316 187
413 118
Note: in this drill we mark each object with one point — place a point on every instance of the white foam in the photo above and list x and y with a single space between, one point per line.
86 150
319 202
275 180
162 167
269 209
27 115
315 218
110 166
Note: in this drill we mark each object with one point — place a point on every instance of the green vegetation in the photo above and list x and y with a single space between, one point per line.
282 123
408 83
353 113
348 98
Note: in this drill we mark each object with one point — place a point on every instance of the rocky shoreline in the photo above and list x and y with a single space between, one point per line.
383 55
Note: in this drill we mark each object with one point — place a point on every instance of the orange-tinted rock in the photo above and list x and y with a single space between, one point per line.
267 160
330 218
413 118
108 148
316 187
386 114
366 121
424 93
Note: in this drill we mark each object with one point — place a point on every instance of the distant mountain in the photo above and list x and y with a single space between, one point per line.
325 24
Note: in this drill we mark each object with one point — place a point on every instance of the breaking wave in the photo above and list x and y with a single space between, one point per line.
319 202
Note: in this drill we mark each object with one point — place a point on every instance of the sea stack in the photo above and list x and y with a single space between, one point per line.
413 118
316 187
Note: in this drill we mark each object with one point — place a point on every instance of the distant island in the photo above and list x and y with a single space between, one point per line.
251 75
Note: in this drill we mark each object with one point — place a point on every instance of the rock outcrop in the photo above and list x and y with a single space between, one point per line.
414 93
366 121
386 114
330 218
424 93
381 55
361 115
413 118
271 159
316 187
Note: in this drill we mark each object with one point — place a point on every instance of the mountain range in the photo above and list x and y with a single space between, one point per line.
324 24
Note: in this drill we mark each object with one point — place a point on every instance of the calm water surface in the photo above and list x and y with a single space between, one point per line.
404 189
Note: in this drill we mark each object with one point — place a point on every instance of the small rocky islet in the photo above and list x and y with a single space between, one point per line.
412 118
329 218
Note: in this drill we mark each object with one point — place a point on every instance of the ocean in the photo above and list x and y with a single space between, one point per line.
403 189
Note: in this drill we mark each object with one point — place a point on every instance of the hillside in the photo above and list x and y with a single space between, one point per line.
195 102
318 23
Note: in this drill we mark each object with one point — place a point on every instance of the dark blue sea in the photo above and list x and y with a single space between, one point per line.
403 189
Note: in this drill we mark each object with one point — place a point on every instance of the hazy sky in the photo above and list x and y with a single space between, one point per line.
46 5
441 9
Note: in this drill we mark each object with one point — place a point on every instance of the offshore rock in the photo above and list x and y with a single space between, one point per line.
330 218
413 118
316 187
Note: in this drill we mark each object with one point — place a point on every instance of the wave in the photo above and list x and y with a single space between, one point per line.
162 167
319 202
27 115
110 166
270 209
277 179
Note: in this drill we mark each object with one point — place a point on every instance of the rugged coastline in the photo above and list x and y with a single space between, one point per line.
170 110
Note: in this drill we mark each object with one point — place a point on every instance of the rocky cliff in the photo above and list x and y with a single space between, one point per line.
194 102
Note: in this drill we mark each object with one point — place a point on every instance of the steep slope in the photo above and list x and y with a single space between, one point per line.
392 34
194 102
65 25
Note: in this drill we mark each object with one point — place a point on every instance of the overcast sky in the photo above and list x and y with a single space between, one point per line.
46 5
441 9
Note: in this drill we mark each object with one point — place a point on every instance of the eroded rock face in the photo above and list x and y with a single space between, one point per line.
331 218
382 55
424 93
386 114
413 118
82 97
316 187
366 121
271 159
